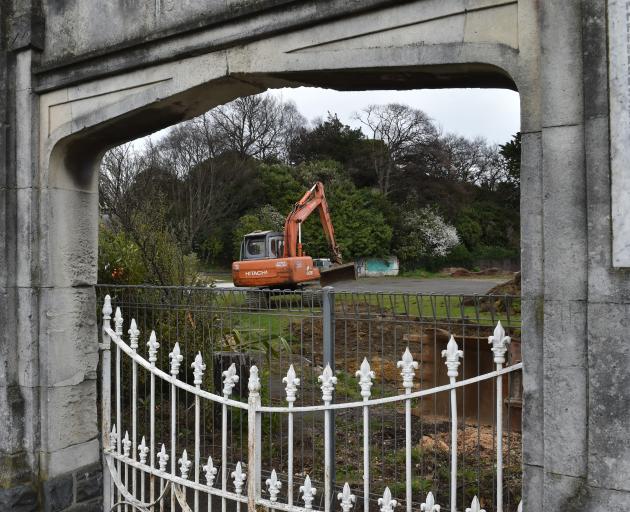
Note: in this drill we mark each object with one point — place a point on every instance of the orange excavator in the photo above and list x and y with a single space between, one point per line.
271 259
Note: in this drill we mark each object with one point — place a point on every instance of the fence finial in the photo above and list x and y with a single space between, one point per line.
274 485
176 358
292 382
143 450
162 458
452 355
475 506
134 333
408 367
254 381
429 505
239 478
499 342
198 369
386 503
365 375
113 438
210 472
308 493
107 308
229 380
328 381
153 346
118 322
126 443
346 497
184 465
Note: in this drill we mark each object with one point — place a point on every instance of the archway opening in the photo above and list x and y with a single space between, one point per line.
442 161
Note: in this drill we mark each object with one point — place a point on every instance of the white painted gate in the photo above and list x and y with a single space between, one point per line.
133 459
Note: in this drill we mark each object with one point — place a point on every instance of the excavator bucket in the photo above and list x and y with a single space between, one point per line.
337 273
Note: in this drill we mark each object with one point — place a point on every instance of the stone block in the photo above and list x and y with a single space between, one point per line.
70 418
565 337
27 340
26 272
78 455
594 33
95 505
8 349
609 395
608 500
533 488
531 216
561 63
89 483
565 421
69 241
21 498
564 213
58 493
533 378
604 283
597 153
12 418
564 493
565 387
529 66
68 335
496 24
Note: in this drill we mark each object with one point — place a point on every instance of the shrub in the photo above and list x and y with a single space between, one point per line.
424 235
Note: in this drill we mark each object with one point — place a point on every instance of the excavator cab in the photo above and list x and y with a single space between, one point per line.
262 263
261 245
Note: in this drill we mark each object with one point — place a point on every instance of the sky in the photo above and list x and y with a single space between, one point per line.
490 113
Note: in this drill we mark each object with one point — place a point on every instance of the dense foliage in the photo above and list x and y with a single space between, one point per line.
397 185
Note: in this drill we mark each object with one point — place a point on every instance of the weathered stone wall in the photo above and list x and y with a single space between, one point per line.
71 91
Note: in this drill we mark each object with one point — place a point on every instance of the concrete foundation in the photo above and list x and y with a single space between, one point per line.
77 78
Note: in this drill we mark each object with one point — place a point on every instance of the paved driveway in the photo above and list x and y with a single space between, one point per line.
446 286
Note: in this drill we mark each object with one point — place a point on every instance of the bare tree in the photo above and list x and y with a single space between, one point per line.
402 129
256 126
473 161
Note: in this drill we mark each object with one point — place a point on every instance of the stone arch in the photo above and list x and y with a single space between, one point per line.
74 159
73 109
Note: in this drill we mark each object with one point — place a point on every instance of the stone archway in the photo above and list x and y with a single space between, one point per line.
73 109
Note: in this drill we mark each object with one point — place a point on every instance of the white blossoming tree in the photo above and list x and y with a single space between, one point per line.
425 233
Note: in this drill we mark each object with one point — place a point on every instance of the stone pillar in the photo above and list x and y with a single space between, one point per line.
565 255
49 447
608 308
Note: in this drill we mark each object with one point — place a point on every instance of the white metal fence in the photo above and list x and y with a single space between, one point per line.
147 474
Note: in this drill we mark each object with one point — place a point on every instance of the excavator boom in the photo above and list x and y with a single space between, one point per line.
313 199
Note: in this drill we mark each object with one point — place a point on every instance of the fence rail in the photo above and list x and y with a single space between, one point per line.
138 474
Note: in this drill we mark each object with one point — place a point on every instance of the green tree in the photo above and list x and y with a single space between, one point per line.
278 187
330 139
119 258
360 226
511 153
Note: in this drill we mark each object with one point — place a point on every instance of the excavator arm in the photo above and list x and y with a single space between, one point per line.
313 199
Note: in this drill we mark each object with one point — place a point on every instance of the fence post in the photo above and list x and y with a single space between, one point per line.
328 311
106 402
499 342
253 440
453 355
